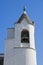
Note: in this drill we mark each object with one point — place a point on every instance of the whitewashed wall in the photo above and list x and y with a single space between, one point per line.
10 33
17 53
18 28
24 56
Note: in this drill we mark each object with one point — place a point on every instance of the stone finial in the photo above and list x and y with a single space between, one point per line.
24 9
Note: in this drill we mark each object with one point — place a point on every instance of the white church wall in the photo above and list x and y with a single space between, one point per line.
8 57
24 56
32 39
10 33
18 28
17 53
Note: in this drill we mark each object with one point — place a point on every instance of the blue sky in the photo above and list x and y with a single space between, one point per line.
11 10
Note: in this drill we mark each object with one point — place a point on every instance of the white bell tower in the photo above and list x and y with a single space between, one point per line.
20 43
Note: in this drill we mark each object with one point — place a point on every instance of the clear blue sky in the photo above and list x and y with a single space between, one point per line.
11 10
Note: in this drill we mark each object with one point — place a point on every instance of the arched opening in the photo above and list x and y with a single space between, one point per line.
25 36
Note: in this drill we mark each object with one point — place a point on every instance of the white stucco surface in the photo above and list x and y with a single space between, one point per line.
17 53
24 56
19 27
10 33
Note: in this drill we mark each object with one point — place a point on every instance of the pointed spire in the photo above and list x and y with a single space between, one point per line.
24 9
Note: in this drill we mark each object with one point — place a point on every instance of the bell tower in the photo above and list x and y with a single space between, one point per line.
20 43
